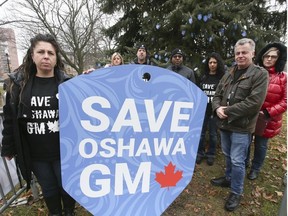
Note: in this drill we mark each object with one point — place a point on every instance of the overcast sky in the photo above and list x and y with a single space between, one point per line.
5 12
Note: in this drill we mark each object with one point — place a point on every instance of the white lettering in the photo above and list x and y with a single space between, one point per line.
103 183
128 107
35 128
156 124
144 148
179 147
177 116
87 108
83 147
40 101
122 174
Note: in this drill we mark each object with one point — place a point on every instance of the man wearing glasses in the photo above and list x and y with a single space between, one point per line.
177 57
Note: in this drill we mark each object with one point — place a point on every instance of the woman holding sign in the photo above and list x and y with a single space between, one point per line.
31 130
116 59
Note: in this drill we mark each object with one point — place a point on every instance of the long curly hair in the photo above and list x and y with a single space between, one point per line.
28 67
220 65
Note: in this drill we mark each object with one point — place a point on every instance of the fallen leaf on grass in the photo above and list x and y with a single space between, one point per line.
40 211
279 193
208 207
269 196
257 191
213 192
275 159
188 206
281 148
284 165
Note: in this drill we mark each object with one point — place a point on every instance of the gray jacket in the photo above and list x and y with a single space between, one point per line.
184 71
243 98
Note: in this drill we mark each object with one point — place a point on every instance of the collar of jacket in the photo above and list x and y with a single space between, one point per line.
177 67
147 62
249 71
25 103
17 76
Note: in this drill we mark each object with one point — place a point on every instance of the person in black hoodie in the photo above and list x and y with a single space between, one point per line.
213 71
177 59
31 128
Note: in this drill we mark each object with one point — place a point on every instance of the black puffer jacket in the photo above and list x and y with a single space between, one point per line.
15 109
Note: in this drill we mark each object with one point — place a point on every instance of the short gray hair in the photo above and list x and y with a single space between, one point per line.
243 41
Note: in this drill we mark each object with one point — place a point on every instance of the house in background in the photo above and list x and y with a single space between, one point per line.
8 57
8 51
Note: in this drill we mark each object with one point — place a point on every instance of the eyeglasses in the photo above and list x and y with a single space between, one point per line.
270 56
177 56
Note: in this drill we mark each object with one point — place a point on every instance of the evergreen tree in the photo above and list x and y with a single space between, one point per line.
196 26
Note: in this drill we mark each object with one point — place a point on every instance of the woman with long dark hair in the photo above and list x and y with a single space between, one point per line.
214 69
31 128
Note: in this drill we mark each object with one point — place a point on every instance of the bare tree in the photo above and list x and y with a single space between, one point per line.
3 2
4 20
76 24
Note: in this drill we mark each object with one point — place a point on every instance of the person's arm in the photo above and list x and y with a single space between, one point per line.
192 77
217 98
8 149
88 71
281 106
253 102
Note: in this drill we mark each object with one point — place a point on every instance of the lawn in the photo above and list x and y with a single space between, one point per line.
261 197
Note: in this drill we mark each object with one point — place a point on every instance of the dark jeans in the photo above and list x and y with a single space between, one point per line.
48 174
210 123
260 150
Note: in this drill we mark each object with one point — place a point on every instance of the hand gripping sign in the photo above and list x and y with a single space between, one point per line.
129 138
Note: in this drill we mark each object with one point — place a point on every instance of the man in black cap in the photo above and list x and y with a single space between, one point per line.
142 56
177 57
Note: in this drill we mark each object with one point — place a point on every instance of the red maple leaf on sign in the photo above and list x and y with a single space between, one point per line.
170 178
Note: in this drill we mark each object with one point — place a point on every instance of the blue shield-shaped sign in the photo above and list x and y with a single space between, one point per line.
129 138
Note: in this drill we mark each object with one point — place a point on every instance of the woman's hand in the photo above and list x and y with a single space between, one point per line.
88 71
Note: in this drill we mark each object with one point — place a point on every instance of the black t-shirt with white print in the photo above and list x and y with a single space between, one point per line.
209 85
43 127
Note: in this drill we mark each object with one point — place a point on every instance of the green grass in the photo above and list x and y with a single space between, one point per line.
262 197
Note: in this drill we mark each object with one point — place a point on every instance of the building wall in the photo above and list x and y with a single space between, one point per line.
8 50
